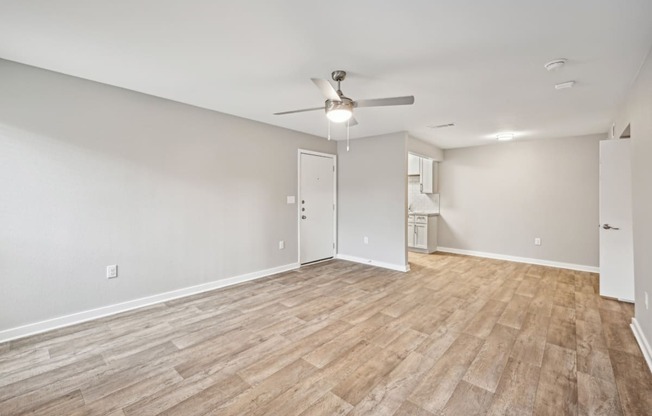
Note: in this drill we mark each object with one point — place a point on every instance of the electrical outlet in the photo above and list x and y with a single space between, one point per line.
647 305
366 240
290 199
537 241
112 271
281 245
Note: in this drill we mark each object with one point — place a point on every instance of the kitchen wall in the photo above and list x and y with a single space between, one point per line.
637 113
497 198
372 200
93 175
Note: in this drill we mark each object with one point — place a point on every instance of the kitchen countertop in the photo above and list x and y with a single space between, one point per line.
428 214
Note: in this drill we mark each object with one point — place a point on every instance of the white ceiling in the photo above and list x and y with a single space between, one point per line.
476 63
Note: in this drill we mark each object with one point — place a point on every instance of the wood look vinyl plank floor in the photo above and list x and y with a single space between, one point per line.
456 335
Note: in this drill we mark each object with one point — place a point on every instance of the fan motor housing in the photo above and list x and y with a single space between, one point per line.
345 104
338 75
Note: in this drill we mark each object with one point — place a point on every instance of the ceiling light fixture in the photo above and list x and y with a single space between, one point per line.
555 65
563 85
339 111
505 136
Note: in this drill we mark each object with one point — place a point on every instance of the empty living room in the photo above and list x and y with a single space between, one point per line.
287 207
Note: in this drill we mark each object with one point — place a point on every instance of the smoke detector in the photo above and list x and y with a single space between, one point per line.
555 65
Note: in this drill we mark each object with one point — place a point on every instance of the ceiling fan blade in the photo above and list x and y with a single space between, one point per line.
380 102
353 122
326 89
298 111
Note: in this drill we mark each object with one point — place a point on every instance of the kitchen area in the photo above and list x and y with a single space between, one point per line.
423 204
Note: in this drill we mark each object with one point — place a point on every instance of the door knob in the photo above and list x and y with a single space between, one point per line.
303 217
609 227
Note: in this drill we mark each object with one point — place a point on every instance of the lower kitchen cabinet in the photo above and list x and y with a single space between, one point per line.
422 233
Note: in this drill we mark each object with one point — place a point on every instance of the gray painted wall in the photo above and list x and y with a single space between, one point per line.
372 198
638 113
92 175
498 198
422 148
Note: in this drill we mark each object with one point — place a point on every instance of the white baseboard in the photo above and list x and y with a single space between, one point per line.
569 266
390 266
642 342
79 317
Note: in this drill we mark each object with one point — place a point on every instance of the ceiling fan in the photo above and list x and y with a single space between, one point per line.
339 108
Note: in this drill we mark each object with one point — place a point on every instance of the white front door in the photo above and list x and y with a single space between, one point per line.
616 240
316 207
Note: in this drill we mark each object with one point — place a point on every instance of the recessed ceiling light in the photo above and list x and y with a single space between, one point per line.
568 84
555 65
505 136
442 126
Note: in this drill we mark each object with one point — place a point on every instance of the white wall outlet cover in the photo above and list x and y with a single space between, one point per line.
281 245
112 271
291 200
366 240
537 241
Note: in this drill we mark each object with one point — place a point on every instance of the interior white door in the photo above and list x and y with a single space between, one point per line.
616 240
317 207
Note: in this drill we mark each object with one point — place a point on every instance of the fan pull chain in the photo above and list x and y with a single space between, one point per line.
348 122
329 128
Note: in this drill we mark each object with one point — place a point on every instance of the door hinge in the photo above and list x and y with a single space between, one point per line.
333 207
333 245
333 168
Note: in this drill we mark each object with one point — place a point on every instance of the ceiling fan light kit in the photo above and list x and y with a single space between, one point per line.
339 108
339 111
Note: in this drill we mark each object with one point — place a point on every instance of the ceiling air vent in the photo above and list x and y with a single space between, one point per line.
442 126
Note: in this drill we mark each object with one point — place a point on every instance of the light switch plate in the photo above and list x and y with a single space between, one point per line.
291 199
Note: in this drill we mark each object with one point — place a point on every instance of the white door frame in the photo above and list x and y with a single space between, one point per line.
328 155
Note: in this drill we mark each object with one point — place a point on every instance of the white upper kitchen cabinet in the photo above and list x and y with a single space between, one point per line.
426 169
427 176
414 164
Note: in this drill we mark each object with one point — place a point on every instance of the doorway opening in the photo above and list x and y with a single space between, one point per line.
423 204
